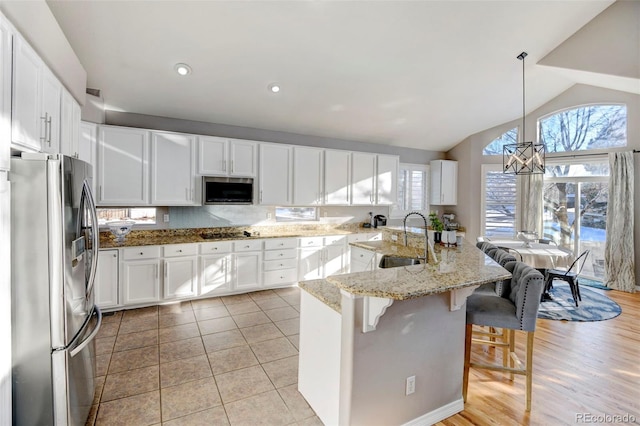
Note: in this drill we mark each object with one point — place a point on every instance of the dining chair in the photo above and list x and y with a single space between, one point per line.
570 276
516 309
512 251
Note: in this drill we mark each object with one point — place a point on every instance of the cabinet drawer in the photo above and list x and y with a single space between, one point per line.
280 243
274 265
280 254
335 239
135 253
311 241
217 247
365 236
173 250
285 276
249 245
361 255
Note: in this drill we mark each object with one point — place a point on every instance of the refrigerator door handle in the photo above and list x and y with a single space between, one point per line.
95 235
93 334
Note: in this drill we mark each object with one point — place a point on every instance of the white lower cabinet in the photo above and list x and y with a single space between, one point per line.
320 257
140 275
105 288
180 271
215 268
280 262
362 260
246 271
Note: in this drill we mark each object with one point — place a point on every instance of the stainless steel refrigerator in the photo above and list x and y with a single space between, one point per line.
54 252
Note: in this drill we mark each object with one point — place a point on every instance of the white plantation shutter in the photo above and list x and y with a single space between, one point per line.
412 190
499 201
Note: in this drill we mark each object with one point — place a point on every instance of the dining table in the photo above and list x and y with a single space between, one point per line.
539 255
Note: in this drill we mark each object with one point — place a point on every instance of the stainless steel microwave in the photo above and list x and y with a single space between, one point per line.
226 190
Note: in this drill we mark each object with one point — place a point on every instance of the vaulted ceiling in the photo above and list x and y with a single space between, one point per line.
421 74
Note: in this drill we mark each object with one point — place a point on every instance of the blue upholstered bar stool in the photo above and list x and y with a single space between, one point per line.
513 307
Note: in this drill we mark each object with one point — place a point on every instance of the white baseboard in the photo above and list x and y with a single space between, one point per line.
437 415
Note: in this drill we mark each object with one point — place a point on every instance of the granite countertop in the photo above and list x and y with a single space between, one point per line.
327 293
457 267
195 235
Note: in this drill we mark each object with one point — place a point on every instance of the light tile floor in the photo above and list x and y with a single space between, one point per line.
229 360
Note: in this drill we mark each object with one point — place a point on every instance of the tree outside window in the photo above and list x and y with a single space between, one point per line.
496 146
576 192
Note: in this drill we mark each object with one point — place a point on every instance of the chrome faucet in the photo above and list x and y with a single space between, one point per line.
426 238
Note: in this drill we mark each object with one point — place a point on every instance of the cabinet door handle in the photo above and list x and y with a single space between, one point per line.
166 269
261 195
157 267
224 165
44 119
141 253
49 126
231 166
115 255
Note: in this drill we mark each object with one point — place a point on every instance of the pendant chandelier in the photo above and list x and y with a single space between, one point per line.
523 158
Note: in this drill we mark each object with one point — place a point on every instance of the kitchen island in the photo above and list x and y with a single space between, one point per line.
386 347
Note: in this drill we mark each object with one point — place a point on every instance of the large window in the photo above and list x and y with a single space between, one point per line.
584 128
576 190
575 209
496 146
412 190
499 201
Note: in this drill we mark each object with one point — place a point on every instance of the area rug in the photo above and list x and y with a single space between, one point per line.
593 307
593 283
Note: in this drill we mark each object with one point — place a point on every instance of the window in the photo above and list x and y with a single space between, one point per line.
142 216
296 214
576 192
495 147
412 190
575 199
499 201
584 128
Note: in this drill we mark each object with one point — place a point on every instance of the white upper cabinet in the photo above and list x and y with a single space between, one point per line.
88 139
307 175
69 125
27 126
387 179
5 93
243 158
337 168
226 157
37 94
123 166
275 174
363 178
444 183
50 111
172 169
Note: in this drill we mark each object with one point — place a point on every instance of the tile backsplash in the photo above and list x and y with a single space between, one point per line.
234 215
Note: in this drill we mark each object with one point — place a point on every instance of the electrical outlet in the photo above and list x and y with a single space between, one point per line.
394 237
166 218
268 215
410 385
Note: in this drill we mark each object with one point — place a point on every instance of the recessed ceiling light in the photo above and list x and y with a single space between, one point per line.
274 87
183 69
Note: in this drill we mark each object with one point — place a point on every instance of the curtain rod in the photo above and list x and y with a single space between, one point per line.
602 154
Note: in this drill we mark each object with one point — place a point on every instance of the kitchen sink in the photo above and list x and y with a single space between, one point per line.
395 261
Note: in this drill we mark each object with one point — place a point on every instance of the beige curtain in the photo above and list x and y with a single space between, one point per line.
618 252
531 215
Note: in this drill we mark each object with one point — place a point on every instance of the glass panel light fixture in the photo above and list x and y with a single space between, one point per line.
523 158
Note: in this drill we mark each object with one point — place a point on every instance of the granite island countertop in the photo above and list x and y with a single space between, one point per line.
457 267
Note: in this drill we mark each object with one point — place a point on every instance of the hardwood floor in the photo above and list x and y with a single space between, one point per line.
580 369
